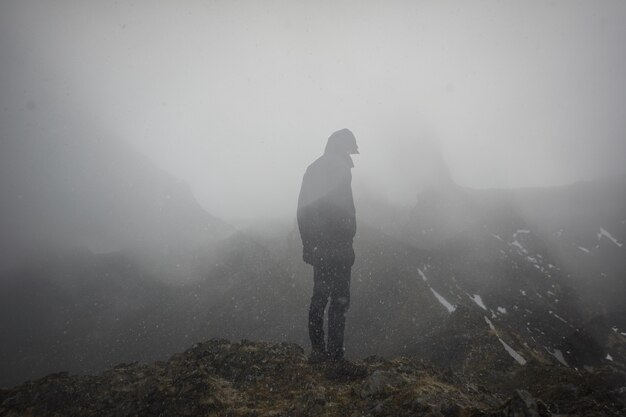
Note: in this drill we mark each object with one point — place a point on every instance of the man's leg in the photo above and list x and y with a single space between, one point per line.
339 304
321 292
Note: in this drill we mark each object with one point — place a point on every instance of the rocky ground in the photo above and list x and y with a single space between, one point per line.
222 378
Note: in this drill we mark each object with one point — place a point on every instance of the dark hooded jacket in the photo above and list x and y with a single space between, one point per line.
326 215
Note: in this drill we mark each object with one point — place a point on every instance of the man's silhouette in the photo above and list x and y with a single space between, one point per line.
327 223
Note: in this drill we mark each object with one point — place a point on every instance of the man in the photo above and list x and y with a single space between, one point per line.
327 223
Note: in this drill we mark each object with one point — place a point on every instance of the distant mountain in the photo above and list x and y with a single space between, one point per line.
537 273
93 236
468 274
475 280
82 187
78 311
581 226
71 309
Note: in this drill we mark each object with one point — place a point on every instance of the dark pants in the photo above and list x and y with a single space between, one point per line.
330 281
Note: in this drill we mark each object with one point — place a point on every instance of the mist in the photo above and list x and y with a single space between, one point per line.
153 156
236 99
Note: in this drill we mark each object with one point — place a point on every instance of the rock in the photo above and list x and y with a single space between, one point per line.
378 409
381 383
451 410
249 379
433 413
522 404
418 404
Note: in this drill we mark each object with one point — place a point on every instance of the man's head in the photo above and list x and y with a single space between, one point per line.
342 142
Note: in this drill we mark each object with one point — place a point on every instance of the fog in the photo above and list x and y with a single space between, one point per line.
237 98
152 155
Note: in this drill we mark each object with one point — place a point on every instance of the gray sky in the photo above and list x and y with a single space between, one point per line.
237 98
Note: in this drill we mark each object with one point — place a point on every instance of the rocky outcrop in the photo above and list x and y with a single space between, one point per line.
222 378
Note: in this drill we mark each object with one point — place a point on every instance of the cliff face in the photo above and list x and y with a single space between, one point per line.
222 378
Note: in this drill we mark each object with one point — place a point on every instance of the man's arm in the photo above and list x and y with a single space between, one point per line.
308 219
343 216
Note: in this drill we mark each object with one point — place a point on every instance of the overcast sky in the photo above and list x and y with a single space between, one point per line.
237 98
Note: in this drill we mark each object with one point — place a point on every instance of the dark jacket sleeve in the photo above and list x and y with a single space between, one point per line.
341 213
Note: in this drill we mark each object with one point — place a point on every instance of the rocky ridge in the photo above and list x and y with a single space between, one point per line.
223 378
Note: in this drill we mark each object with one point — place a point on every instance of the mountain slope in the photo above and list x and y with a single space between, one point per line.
489 287
514 258
82 187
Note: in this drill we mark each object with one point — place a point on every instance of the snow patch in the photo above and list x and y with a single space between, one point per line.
502 310
584 249
443 301
519 358
558 355
606 234
518 245
479 301
450 307
512 352
558 317
609 357
419 271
